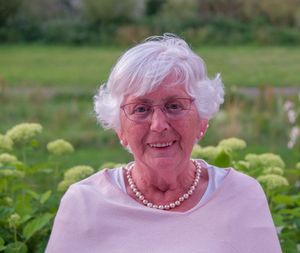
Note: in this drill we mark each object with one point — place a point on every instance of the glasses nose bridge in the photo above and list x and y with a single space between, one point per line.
162 109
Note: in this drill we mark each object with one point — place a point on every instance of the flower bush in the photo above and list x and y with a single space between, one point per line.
27 210
281 184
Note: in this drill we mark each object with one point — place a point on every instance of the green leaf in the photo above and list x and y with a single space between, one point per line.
278 220
16 247
223 159
288 200
36 224
34 143
45 196
33 194
295 212
1 242
5 212
25 218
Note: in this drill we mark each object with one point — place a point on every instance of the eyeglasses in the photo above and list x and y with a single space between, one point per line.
174 108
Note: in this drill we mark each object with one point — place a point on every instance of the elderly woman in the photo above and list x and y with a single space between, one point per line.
158 99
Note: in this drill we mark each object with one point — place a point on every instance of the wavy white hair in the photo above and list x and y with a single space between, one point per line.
143 68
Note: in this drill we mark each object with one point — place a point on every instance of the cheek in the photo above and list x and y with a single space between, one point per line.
133 133
189 129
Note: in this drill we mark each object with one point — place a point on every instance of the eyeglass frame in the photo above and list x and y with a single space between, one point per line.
162 108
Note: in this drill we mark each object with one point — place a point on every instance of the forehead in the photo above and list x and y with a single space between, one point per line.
162 93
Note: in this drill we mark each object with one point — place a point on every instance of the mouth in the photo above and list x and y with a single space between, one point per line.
161 144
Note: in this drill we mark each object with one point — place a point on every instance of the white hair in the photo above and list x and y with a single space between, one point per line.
143 68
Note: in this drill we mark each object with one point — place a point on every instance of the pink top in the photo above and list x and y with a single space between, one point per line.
96 216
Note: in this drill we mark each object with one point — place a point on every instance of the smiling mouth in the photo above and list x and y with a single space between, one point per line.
161 144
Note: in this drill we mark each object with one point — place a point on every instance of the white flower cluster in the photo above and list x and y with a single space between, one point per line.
24 132
273 181
233 143
73 175
6 158
5 143
266 160
60 147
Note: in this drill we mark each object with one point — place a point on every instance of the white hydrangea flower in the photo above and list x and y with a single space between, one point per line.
6 158
14 220
73 175
273 170
5 143
64 185
21 133
233 143
12 173
79 172
206 153
60 147
271 160
273 181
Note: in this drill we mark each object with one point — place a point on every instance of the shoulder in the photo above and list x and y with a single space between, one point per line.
85 188
235 181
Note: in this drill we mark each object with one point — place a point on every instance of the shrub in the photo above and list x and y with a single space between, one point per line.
269 169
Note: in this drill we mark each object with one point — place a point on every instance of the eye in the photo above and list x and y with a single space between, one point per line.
141 109
174 106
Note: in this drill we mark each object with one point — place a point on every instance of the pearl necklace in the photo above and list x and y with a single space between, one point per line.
171 205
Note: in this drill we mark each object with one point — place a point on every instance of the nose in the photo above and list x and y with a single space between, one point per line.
159 121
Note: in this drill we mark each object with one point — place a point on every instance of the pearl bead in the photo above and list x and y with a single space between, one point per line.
177 203
145 201
186 196
155 206
149 204
172 205
167 207
161 207
141 197
181 199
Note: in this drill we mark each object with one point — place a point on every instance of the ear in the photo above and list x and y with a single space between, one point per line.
122 138
202 129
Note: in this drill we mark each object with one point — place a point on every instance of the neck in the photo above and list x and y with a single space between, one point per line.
163 181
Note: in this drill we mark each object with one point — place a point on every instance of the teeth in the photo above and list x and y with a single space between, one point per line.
160 145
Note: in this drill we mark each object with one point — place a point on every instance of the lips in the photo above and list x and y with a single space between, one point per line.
161 144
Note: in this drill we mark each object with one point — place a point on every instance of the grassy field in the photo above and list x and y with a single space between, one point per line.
86 67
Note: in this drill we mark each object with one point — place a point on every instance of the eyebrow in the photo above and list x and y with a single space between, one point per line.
146 100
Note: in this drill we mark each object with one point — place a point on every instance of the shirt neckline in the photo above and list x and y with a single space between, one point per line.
135 204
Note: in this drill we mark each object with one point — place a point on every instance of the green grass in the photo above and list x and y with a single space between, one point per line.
87 67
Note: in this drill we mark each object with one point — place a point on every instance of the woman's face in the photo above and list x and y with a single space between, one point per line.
161 142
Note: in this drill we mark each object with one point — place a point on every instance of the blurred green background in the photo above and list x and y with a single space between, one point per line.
54 54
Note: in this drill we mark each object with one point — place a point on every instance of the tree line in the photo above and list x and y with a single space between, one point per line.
127 21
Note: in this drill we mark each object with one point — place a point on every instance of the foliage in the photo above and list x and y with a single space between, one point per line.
106 11
30 192
26 209
281 184
93 22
